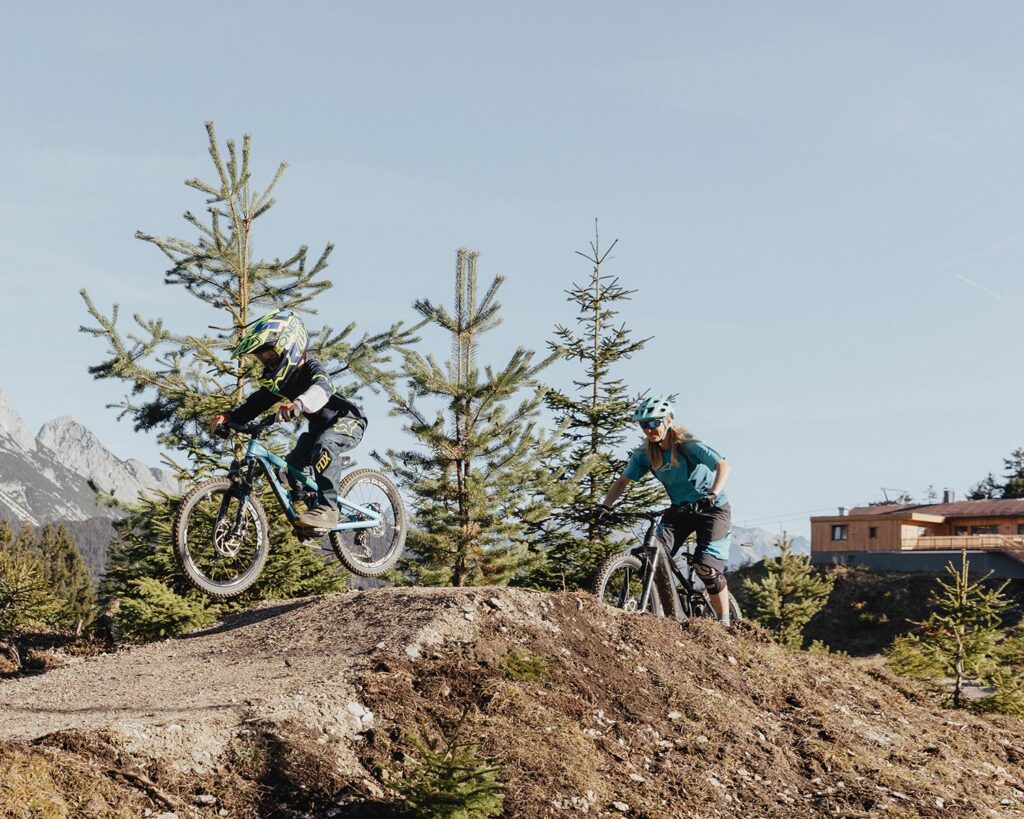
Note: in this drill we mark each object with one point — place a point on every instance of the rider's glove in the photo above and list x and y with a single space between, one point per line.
602 512
707 503
216 421
289 410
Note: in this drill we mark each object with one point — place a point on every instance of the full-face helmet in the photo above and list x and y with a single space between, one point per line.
279 340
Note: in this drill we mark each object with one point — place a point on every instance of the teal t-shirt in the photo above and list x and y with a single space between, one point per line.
685 482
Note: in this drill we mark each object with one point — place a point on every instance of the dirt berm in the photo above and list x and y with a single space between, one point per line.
314 707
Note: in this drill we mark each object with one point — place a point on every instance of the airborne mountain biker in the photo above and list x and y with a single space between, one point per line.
694 475
298 382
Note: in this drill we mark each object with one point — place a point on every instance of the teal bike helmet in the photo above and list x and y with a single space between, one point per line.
653 409
281 331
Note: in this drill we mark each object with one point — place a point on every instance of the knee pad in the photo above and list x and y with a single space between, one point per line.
713 579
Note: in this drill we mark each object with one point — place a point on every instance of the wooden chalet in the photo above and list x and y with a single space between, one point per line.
924 537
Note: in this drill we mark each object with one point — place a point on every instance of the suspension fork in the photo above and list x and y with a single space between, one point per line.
242 474
650 560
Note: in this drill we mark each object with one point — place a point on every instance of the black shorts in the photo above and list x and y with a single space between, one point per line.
709 527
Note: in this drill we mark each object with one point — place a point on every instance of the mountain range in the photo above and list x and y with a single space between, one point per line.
58 474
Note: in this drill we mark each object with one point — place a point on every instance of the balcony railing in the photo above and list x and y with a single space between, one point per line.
1013 546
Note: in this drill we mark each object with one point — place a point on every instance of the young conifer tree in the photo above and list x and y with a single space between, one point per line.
67 576
595 417
479 480
789 594
178 380
960 638
26 600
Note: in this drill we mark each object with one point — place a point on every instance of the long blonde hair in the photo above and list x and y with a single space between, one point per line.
677 434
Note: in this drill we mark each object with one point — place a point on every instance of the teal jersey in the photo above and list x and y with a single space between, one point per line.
691 479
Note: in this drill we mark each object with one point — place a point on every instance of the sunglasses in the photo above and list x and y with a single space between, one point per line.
654 423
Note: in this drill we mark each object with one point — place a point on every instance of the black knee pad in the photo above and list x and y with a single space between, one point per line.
713 579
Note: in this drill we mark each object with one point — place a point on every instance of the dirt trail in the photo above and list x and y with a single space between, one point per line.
586 710
183 700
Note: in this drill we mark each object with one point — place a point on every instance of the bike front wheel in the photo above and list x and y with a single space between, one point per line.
371 552
619 583
220 542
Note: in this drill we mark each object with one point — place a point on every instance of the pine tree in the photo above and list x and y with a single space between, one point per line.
960 637
479 481
66 575
594 417
1014 466
26 600
450 780
985 489
789 595
178 380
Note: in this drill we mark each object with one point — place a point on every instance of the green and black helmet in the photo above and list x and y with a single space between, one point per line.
653 409
282 332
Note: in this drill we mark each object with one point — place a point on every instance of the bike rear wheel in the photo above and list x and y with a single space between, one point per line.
216 557
700 606
619 583
371 552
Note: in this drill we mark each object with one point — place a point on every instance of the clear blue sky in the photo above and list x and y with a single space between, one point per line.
818 203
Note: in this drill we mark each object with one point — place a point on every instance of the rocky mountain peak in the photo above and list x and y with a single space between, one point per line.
66 434
13 427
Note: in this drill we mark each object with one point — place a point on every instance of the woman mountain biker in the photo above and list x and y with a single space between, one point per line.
298 383
694 475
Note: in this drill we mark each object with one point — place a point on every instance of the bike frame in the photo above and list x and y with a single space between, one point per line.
650 551
256 453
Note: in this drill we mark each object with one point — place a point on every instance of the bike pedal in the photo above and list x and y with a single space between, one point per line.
345 461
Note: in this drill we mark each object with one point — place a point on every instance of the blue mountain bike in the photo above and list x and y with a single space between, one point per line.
221 534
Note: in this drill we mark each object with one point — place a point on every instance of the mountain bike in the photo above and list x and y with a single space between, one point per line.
221 534
647 578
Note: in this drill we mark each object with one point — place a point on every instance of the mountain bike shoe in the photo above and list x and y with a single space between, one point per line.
319 517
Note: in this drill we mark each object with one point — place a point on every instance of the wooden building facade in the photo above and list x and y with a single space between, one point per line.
985 525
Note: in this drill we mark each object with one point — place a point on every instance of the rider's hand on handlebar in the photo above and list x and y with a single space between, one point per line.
288 410
707 503
216 422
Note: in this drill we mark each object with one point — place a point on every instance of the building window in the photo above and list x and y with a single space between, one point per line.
873 532
851 559
984 530
1020 528
959 531
839 531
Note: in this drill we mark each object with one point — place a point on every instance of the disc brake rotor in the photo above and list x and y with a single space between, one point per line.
224 543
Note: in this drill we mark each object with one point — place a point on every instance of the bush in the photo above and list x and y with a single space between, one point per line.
154 612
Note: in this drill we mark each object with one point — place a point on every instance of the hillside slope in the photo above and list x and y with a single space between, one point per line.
310 708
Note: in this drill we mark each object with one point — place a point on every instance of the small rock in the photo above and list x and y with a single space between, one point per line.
732 660
940 803
675 715
636 777
469 616
701 740
207 799
494 603
621 807
412 651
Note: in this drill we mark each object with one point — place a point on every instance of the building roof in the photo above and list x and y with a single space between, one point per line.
957 509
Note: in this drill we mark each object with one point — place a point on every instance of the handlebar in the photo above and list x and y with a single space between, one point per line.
652 516
255 430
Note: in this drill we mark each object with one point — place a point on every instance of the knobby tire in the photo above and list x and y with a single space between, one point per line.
196 529
371 552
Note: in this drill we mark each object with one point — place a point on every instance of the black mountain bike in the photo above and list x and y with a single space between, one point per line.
221 534
646 578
